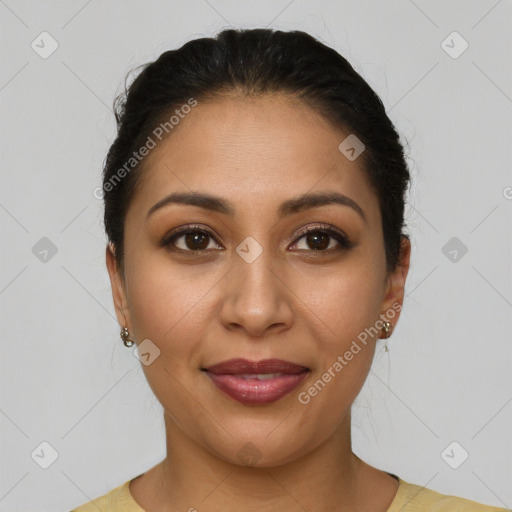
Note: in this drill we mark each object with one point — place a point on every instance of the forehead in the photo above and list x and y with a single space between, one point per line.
255 151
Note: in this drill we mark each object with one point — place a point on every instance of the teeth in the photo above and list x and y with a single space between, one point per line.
259 376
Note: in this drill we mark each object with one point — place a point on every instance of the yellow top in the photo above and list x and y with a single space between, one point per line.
409 497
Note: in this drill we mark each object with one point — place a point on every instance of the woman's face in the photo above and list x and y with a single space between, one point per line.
249 284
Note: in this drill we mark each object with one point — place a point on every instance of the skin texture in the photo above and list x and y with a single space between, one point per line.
293 302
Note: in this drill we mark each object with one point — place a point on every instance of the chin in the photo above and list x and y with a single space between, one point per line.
261 450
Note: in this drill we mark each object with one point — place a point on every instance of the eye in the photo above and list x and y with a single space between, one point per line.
324 238
190 239
194 239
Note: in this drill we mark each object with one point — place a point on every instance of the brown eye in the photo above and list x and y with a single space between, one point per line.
190 240
324 239
196 240
318 240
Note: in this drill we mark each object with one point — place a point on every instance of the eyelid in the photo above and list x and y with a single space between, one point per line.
332 231
321 227
183 230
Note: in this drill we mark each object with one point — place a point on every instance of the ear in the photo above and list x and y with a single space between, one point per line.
395 288
118 288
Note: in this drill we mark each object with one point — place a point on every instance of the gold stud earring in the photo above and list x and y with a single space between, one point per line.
387 333
125 337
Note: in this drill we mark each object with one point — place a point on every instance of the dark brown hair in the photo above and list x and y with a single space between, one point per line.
255 62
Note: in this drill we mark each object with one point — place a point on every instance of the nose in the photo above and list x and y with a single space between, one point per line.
257 299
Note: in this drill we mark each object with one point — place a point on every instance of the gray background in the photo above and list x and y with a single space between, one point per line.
67 379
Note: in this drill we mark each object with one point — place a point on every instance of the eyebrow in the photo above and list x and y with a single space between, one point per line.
288 207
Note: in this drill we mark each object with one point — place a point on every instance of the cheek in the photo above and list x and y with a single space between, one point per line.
344 300
167 306
340 310
166 302
341 305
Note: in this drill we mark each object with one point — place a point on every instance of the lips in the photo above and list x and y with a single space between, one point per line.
256 382
265 366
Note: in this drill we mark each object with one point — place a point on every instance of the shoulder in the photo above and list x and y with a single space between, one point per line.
117 500
413 498
410 497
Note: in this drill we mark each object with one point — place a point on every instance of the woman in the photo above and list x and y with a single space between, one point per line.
254 202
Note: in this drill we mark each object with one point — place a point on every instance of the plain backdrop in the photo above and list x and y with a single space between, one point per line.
75 399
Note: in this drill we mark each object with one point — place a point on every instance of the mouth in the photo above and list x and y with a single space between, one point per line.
256 382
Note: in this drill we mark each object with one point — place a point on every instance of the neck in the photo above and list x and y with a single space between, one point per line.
192 478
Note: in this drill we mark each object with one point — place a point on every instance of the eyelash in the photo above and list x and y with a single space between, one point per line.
326 229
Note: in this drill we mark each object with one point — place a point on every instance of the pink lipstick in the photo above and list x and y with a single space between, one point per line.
254 383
